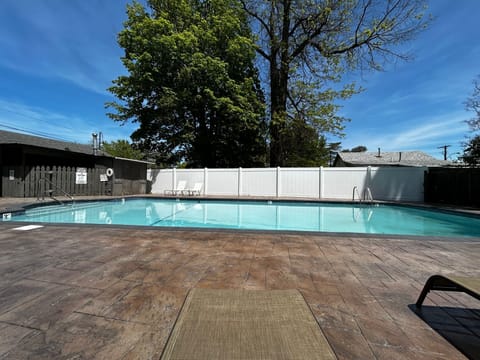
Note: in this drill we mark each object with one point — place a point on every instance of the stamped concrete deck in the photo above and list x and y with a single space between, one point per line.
75 292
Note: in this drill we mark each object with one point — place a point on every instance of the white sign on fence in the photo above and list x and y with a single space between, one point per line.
81 176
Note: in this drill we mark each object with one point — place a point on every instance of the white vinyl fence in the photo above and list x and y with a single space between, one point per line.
385 183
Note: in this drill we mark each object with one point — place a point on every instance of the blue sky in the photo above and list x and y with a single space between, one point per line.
57 58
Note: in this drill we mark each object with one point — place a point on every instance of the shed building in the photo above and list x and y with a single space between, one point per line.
31 165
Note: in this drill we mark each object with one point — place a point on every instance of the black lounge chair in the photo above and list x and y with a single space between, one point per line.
469 285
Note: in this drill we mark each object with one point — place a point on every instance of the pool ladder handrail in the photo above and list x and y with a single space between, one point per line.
367 195
50 191
355 191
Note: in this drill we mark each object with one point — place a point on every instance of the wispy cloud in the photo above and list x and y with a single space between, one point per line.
73 40
19 117
426 134
419 105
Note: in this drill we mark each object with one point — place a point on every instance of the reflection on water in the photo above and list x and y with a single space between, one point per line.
364 212
355 218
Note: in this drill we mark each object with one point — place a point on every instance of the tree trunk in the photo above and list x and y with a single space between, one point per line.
279 89
278 109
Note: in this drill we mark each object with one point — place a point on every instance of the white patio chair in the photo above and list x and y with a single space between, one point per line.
196 190
178 190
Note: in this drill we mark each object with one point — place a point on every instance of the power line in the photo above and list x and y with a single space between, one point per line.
35 132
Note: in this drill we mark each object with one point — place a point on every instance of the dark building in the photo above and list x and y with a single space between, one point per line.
30 165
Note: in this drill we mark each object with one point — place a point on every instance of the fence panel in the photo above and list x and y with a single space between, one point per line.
300 182
258 182
222 182
162 179
455 186
44 180
29 182
395 183
43 187
191 176
68 180
339 182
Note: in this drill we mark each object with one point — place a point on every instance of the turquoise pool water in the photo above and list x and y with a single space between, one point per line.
260 215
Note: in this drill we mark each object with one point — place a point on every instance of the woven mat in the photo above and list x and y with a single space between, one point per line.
242 324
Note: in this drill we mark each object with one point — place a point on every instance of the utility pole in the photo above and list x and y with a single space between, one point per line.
444 147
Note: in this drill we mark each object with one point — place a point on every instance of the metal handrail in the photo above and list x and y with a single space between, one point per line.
367 195
55 186
355 190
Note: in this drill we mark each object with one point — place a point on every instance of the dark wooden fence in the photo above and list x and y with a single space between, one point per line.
454 186
45 181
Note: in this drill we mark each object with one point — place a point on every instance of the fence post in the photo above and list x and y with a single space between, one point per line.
240 183
320 185
205 181
278 181
174 178
369 178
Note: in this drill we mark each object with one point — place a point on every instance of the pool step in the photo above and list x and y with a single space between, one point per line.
56 209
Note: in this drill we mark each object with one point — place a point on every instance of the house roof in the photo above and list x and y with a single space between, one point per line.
396 158
8 137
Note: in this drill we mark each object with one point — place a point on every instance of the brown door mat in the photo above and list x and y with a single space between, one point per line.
242 324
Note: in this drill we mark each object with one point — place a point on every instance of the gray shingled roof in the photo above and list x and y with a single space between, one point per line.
396 158
8 137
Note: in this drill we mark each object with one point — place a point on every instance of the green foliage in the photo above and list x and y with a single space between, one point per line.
303 146
471 152
359 148
192 85
193 88
316 105
122 148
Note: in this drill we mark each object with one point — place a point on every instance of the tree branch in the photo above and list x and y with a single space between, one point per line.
258 18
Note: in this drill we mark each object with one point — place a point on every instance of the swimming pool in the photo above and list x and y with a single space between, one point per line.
259 215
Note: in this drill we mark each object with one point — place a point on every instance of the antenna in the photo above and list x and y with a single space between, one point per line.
95 143
444 147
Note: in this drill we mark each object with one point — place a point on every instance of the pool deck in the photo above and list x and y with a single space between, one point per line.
93 292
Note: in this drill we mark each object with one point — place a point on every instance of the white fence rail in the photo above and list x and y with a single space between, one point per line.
385 183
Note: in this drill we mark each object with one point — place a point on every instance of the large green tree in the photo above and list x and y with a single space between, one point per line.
308 45
192 84
305 147
122 148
